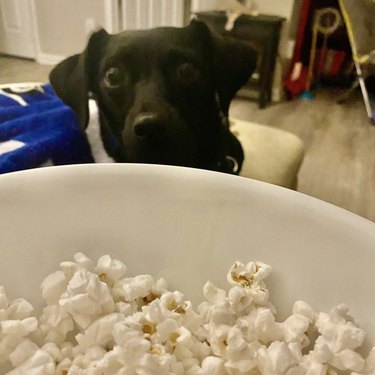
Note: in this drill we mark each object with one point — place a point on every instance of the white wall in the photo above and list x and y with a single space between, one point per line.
276 7
202 5
282 8
145 14
63 26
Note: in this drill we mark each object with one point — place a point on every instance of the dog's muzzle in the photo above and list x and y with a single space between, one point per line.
148 125
159 138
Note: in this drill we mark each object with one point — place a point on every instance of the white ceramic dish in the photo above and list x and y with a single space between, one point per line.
189 226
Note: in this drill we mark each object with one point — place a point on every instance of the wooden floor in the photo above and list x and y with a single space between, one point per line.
22 70
339 165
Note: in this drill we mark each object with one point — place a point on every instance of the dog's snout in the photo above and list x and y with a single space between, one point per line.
148 124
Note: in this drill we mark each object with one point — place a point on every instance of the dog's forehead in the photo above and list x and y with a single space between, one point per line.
155 43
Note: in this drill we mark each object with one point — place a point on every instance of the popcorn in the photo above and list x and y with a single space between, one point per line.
212 293
369 366
167 330
54 324
100 331
112 268
237 347
23 351
3 298
53 351
132 288
212 365
266 328
239 298
276 359
18 328
295 327
16 325
69 269
303 309
19 309
86 298
172 304
249 274
347 359
53 286
221 314
100 321
82 261
39 363
338 332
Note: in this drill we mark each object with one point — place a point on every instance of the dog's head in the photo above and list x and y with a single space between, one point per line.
161 93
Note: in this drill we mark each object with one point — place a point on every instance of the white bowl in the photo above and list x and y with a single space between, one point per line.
188 226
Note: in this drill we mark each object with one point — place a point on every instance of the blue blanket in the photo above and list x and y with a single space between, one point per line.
37 128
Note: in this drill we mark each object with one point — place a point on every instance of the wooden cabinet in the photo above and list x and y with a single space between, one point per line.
263 33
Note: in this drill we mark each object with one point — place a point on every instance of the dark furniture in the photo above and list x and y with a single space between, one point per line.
263 33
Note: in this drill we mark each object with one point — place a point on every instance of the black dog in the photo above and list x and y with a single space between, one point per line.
163 94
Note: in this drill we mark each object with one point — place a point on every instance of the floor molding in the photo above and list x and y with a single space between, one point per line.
49 59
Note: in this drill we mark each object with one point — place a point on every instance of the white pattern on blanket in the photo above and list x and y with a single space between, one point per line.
38 129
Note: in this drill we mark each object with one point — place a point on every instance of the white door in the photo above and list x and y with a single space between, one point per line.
145 14
16 28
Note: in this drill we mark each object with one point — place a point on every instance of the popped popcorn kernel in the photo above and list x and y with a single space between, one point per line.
98 320
212 365
212 293
239 298
111 269
150 297
53 286
24 350
246 275
149 328
83 261
19 309
132 288
173 337
3 298
303 309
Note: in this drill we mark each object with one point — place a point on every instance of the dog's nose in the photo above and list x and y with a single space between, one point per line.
148 124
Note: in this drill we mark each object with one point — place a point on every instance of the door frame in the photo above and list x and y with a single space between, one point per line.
111 9
112 14
31 29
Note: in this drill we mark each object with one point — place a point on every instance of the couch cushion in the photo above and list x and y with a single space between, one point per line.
271 155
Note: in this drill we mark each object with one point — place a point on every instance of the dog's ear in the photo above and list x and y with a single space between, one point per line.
71 79
233 62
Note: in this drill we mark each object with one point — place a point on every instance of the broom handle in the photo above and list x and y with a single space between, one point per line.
322 56
312 56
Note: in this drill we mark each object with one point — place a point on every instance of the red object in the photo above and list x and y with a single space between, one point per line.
294 88
337 61
329 62
322 58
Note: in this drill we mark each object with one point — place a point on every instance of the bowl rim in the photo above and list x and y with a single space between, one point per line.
170 171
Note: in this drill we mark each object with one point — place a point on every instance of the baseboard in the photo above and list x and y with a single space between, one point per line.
49 59
277 94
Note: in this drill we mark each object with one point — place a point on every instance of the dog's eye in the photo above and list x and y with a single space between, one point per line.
188 74
114 77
